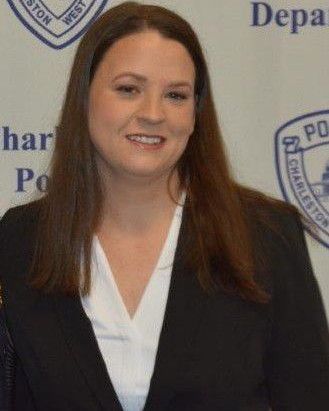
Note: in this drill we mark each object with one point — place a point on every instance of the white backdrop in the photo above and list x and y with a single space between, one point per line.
269 67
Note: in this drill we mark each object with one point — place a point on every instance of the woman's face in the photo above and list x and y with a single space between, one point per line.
142 105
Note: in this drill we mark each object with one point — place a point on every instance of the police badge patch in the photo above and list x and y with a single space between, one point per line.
302 164
57 23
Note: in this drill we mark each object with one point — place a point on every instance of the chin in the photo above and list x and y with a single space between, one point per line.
144 172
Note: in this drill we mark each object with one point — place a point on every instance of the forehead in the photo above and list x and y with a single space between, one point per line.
149 53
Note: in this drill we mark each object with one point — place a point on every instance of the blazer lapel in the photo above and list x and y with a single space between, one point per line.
83 345
186 302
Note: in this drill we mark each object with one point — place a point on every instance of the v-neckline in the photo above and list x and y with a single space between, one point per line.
122 309
182 317
166 257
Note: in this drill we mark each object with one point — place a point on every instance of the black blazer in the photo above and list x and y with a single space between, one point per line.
215 352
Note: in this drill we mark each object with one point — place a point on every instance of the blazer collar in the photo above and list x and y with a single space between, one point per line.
182 316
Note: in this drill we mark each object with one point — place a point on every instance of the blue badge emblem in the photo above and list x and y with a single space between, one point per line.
57 23
302 163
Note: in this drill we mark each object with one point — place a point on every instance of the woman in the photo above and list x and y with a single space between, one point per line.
147 278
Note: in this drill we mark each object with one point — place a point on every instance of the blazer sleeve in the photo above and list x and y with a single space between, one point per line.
297 362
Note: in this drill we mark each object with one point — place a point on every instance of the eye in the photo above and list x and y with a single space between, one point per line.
177 96
127 89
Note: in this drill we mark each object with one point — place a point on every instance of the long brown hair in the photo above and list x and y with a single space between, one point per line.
217 224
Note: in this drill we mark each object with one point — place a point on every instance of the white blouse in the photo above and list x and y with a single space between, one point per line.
129 345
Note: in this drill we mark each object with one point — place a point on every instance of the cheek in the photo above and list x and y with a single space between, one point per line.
101 112
185 124
189 128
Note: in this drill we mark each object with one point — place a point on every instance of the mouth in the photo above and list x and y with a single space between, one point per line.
146 140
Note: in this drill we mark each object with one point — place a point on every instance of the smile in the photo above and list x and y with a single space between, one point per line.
144 139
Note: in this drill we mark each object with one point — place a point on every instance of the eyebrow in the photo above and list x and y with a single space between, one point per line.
143 79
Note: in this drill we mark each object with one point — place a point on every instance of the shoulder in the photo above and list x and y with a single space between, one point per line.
18 229
18 219
271 219
278 241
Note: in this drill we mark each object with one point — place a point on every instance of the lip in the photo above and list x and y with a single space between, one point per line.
147 135
146 147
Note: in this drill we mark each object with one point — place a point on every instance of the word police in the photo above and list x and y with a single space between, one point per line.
263 14
316 130
26 176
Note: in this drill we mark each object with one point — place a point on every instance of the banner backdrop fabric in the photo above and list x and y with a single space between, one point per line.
269 69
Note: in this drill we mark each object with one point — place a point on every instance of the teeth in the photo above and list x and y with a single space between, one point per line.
145 139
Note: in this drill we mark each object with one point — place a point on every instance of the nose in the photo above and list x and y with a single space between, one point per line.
151 109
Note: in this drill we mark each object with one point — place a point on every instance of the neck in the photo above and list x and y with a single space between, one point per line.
138 205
